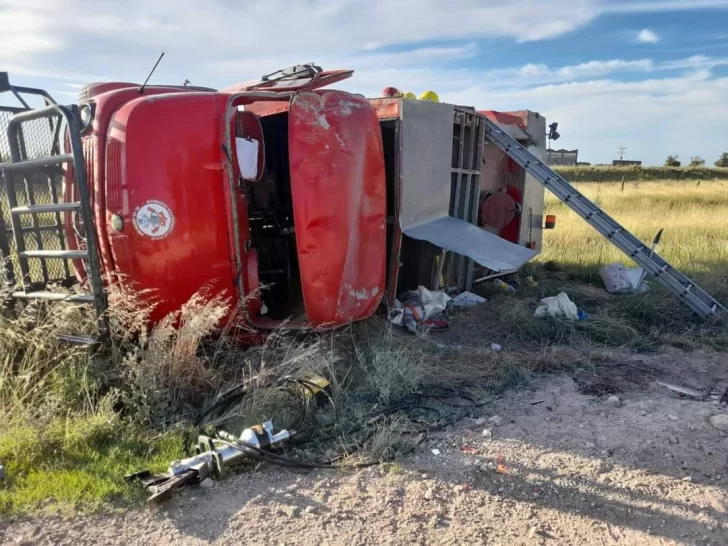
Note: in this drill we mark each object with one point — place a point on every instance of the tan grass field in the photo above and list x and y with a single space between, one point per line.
694 217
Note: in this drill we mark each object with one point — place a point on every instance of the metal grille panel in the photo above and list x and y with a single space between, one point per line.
38 138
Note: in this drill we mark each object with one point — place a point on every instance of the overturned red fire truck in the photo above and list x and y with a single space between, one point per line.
303 206
313 206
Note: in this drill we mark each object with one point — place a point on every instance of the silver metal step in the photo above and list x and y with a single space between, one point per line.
54 296
30 164
692 295
40 209
56 254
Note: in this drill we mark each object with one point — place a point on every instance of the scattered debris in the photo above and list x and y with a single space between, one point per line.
209 461
500 465
469 449
446 347
621 280
420 310
614 401
496 347
537 402
504 287
435 451
560 306
720 422
672 417
467 299
682 390
481 421
487 433
688 479
496 420
429 494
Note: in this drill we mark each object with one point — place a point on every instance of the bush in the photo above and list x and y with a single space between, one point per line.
672 161
722 161
640 174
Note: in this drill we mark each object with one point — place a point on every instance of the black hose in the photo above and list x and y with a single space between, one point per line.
443 395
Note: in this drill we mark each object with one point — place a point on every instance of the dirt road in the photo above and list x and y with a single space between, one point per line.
562 465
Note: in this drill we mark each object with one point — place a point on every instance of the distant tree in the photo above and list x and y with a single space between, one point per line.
723 161
672 161
697 161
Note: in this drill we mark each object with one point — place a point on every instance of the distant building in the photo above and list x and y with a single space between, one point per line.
562 157
625 163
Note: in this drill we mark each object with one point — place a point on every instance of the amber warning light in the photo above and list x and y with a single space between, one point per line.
550 221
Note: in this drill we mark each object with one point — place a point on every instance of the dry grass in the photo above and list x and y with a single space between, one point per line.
77 421
695 239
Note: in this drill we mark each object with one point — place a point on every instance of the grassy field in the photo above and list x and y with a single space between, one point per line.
694 217
75 421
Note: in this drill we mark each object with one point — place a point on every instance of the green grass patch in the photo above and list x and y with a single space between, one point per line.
78 464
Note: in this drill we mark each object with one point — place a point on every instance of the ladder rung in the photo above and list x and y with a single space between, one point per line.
60 254
39 209
48 161
54 296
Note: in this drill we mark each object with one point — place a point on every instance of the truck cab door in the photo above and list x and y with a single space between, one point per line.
339 204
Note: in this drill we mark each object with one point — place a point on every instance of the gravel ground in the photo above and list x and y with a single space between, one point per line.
562 464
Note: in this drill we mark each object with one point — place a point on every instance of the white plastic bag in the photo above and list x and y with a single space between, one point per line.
557 306
434 302
616 280
467 299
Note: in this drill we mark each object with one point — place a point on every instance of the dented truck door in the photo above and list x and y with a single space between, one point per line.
339 204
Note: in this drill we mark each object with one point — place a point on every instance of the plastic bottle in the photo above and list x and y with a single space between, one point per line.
503 287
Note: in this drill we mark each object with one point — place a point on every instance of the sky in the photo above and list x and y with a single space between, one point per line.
648 75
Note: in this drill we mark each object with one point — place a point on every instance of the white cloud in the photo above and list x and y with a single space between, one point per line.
412 44
530 74
653 117
646 36
630 6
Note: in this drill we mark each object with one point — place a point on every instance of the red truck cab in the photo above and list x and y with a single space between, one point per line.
302 238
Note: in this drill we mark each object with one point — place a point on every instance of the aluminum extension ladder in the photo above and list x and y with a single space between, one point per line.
691 294
13 174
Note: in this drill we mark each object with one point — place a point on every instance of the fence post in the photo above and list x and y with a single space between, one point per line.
622 183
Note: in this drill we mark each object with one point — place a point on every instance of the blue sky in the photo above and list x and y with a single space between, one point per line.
651 75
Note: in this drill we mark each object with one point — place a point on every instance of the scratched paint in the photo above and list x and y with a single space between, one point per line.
360 295
339 202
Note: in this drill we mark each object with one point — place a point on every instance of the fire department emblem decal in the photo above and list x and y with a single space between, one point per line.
153 219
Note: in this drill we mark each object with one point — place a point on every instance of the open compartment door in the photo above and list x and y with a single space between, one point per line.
466 239
339 204
427 178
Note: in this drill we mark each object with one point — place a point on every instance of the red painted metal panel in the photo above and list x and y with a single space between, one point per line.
175 209
339 201
387 108
518 118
